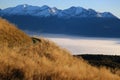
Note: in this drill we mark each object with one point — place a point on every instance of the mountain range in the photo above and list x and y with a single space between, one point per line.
72 21
46 11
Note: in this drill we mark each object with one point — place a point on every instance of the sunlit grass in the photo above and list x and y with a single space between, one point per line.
43 60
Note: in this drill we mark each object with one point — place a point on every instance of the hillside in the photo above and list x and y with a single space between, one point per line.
42 60
109 61
95 27
102 60
12 36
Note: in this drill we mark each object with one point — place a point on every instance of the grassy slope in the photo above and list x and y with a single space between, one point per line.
102 60
12 36
43 61
111 62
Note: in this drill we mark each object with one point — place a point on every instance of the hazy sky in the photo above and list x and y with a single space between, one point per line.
112 6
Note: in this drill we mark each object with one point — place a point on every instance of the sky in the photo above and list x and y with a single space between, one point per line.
112 6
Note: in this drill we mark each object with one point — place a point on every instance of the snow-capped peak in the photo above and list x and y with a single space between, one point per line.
75 10
53 10
22 6
45 7
25 5
99 15
107 14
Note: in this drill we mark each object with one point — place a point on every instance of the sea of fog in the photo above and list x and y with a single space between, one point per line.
86 45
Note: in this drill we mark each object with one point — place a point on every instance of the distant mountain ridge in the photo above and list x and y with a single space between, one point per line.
46 11
72 21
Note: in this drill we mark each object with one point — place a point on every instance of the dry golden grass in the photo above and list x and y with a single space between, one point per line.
45 61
